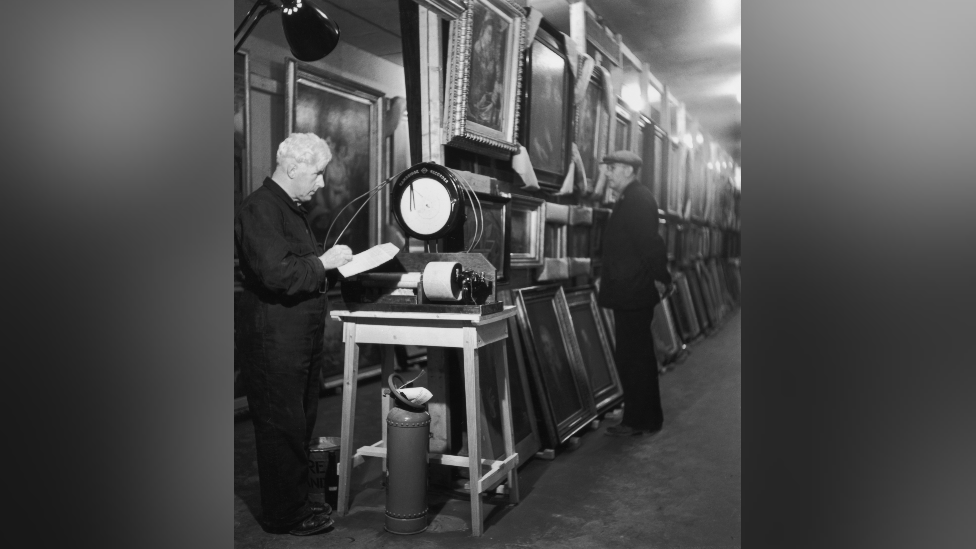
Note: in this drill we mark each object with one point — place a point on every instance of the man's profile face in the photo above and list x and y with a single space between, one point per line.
307 180
618 174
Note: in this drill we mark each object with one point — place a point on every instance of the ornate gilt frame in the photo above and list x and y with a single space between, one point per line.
458 132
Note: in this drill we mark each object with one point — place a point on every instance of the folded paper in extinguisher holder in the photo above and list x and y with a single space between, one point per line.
417 396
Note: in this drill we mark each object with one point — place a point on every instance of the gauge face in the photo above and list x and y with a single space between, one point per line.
425 206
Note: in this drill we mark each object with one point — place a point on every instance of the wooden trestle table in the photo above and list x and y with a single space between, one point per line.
462 331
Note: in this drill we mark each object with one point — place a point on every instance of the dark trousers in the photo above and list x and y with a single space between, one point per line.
281 376
637 367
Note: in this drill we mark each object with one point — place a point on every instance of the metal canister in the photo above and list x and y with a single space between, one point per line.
323 479
407 440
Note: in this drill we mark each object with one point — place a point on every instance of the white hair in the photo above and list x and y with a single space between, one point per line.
304 148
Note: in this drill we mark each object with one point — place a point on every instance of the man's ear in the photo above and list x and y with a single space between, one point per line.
290 169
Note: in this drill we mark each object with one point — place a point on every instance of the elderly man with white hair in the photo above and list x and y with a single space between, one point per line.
280 329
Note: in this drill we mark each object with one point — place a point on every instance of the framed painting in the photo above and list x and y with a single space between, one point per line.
600 218
348 116
528 216
562 386
650 148
678 167
621 138
484 79
667 344
495 234
684 314
595 348
242 128
547 120
524 427
592 125
607 315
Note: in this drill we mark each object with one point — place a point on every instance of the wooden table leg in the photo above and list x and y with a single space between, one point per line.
472 399
349 385
501 357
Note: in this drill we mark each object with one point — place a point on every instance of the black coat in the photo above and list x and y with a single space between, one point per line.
284 302
634 254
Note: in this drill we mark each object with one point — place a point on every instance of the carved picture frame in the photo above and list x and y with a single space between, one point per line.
484 78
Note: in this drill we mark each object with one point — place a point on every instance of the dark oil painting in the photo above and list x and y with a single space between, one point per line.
586 131
546 116
345 124
554 364
489 51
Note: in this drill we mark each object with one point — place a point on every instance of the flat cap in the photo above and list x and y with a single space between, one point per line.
623 157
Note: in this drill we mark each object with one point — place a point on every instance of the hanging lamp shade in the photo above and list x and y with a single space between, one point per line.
310 33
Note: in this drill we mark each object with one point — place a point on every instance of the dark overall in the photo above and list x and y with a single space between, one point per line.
280 337
634 256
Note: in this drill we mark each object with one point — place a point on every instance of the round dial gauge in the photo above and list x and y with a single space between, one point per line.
425 206
426 201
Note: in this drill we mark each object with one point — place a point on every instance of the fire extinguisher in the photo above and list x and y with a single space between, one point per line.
407 436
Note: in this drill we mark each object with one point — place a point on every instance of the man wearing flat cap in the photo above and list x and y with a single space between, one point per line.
635 274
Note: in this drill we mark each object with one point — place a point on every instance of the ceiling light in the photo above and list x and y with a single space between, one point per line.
700 139
311 35
631 95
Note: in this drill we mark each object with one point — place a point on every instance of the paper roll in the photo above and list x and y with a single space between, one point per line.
439 282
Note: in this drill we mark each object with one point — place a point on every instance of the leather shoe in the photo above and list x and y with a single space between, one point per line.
320 507
313 524
627 431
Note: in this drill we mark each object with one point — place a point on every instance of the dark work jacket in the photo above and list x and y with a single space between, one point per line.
284 281
634 254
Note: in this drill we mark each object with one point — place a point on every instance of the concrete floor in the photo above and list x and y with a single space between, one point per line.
678 489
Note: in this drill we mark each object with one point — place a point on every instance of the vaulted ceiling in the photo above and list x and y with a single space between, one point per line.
692 46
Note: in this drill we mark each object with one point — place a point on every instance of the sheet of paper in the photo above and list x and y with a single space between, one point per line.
370 259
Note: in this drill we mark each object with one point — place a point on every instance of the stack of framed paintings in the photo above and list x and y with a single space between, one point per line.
484 78
561 383
701 311
595 349
548 107
714 305
684 309
348 116
667 343
524 424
